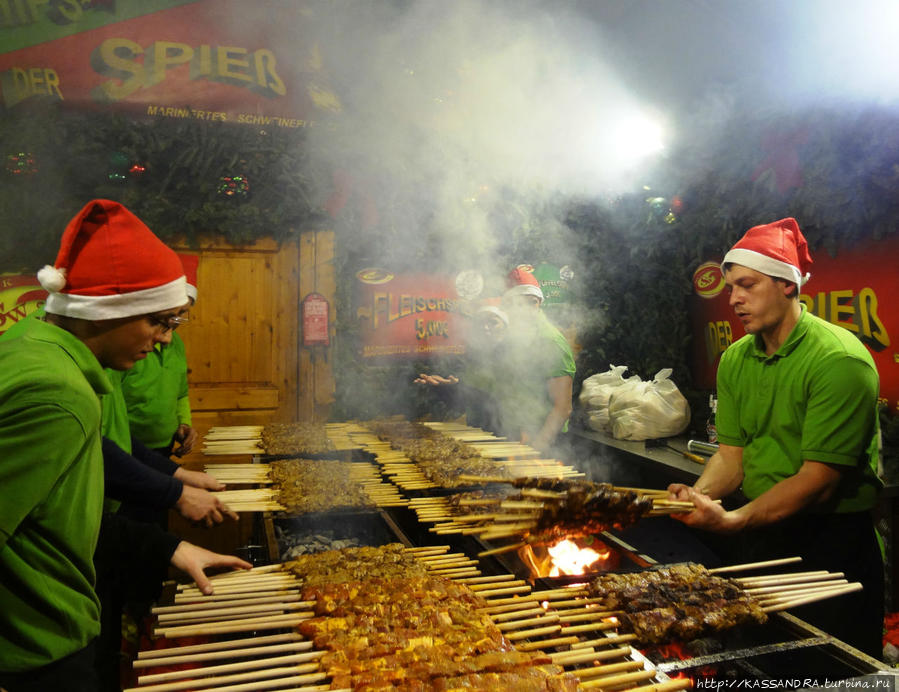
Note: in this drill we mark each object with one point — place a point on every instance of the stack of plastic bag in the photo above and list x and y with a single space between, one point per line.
596 391
648 410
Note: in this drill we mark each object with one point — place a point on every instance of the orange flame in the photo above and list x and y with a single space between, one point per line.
567 558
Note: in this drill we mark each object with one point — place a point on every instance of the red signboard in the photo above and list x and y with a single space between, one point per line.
315 320
20 295
855 290
408 315
220 60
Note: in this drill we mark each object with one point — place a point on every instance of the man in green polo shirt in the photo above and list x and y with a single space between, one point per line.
156 392
536 372
798 432
113 288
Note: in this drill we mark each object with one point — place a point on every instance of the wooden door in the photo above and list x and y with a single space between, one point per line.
245 359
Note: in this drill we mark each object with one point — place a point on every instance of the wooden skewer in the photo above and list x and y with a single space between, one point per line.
253 651
559 594
761 591
571 657
272 662
537 632
518 604
517 614
198 616
606 641
774 598
608 669
794 578
227 644
485 580
755 565
592 627
577 602
196 607
543 644
489 586
829 593
506 591
284 674
616 680
587 617
244 625
275 578
199 597
544 619
249 588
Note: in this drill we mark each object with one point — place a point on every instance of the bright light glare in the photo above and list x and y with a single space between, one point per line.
636 137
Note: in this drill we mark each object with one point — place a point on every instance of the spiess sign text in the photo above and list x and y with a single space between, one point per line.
118 58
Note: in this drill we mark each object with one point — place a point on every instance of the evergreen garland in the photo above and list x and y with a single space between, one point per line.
80 156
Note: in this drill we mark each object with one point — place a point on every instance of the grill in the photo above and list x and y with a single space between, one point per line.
784 648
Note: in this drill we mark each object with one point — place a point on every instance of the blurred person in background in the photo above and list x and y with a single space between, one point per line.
475 388
536 374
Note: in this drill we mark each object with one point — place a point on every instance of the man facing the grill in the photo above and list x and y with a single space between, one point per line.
798 432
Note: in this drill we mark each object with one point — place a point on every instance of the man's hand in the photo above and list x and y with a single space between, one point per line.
196 504
198 479
708 514
435 380
194 560
187 436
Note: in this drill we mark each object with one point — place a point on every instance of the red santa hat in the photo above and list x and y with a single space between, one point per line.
190 262
110 265
521 282
777 249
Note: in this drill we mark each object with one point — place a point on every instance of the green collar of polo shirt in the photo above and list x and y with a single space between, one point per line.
788 346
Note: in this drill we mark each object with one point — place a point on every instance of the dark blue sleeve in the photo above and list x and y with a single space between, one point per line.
128 480
152 458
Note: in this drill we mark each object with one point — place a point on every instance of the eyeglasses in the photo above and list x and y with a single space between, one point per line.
167 324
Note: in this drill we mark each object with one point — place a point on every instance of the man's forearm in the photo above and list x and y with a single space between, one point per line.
720 477
813 483
552 425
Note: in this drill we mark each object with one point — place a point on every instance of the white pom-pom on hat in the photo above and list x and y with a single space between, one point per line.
51 278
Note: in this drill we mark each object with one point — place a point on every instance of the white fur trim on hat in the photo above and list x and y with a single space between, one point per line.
192 292
165 297
493 310
524 290
765 265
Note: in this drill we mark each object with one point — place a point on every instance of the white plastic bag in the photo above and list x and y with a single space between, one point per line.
596 392
649 410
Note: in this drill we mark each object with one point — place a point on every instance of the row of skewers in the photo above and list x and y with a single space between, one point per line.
300 486
394 615
287 439
417 618
542 509
421 456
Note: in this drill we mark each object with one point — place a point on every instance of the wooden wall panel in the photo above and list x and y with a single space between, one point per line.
246 362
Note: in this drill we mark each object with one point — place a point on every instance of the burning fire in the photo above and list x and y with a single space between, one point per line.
568 558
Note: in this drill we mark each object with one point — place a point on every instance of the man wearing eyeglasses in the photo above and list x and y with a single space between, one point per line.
111 286
155 389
